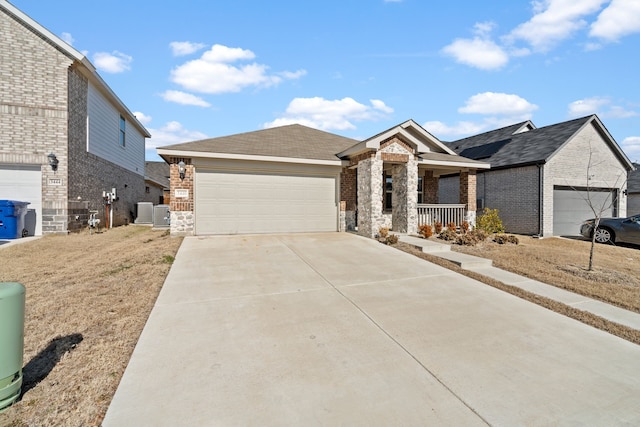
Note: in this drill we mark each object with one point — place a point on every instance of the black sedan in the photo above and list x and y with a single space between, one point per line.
614 230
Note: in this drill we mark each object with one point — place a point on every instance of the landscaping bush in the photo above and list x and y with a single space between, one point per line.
490 221
437 227
391 239
466 239
465 227
383 232
501 239
425 230
479 234
452 226
448 235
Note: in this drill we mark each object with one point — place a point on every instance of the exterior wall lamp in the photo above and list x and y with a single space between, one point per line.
181 169
53 161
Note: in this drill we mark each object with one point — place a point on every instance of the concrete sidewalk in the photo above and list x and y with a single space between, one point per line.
484 267
336 329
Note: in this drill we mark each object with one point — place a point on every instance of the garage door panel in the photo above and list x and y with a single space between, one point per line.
571 207
229 203
24 183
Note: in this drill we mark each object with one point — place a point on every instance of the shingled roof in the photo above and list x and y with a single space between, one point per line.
157 172
504 148
291 141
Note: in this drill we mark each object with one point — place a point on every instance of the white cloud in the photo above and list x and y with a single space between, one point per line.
327 114
184 98
602 106
116 62
142 118
554 21
462 128
67 38
499 109
214 73
172 133
185 48
480 51
631 147
620 18
491 103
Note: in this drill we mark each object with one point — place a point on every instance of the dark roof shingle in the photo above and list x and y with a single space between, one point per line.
295 141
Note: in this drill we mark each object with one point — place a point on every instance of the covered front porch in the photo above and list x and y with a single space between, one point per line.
392 179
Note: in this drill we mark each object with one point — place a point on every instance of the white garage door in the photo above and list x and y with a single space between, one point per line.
231 203
24 183
570 208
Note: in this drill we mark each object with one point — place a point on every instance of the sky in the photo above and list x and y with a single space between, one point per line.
199 69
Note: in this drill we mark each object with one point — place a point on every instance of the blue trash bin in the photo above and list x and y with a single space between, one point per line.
12 213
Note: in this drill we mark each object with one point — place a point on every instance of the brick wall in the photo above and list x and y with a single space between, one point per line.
430 188
182 213
34 114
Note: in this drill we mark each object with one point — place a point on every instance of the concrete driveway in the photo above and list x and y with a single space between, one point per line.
335 329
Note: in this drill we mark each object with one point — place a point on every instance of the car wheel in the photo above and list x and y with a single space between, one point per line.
604 235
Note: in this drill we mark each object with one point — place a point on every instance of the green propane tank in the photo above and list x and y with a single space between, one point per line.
11 342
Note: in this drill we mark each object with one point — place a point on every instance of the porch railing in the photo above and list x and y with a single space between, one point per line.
430 214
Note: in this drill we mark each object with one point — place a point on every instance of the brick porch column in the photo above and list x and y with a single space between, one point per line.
468 195
348 199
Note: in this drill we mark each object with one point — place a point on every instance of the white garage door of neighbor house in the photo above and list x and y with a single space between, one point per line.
24 183
232 203
570 208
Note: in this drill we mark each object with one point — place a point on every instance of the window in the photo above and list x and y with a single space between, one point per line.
147 190
122 131
420 198
388 192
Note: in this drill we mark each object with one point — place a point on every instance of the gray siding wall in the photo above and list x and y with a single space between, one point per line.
92 174
104 134
33 113
585 161
633 204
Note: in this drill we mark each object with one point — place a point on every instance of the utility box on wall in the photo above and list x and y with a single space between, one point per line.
12 297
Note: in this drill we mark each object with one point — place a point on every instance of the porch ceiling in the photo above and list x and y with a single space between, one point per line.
448 163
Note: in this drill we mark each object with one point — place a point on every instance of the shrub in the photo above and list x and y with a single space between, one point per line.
383 232
448 235
438 227
425 230
391 239
465 227
490 221
452 226
513 239
500 239
479 234
467 239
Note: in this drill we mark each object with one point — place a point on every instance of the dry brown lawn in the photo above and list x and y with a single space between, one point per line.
88 298
563 263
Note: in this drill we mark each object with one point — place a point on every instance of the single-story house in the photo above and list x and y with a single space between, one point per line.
298 179
65 136
156 181
541 178
633 191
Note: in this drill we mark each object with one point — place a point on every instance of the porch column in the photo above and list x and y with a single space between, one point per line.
369 196
468 195
405 197
348 199
430 188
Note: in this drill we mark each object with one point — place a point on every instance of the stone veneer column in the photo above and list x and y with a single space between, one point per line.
369 196
405 197
348 199
182 218
468 195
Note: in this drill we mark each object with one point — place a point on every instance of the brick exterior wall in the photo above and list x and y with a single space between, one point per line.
33 113
586 154
430 188
182 209
348 199
43 109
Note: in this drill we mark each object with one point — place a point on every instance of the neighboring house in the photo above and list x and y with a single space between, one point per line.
540 178
156 181
297 179
55 109
633 190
